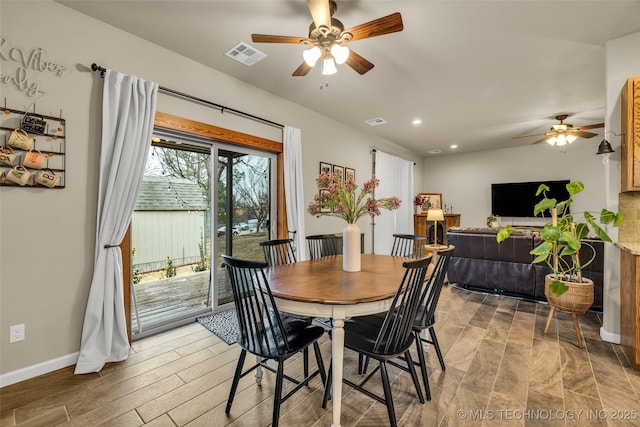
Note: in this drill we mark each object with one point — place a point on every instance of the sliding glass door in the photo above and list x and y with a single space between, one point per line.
177 242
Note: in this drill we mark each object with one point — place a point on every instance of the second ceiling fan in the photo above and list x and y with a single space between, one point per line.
327 39
564 133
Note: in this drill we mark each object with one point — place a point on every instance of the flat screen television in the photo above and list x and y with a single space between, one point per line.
517 199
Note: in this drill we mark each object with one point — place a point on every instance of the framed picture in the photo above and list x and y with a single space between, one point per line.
349 173
325 167
430 201
340 170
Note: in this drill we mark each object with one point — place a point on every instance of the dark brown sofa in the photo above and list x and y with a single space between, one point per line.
481 263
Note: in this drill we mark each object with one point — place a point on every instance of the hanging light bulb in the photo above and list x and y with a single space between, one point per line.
562 140
328 66
552 140
571 138
340 53
312 55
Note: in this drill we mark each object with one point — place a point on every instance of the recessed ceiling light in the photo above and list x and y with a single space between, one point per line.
453 146
434 151
416 121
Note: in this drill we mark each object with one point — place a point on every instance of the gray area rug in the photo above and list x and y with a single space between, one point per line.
223 324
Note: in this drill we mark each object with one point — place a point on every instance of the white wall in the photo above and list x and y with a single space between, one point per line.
47 290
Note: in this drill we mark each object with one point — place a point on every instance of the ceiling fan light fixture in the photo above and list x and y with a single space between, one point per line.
340 53
552 141
329 67
312 55
561 140
571 138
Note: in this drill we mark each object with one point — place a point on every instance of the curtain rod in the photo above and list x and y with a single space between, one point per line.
222 108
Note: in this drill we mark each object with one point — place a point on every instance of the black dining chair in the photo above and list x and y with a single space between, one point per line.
263 332
384 338
409 245
278 251
321 245
425 319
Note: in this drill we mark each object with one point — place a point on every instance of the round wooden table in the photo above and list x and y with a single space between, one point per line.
319 288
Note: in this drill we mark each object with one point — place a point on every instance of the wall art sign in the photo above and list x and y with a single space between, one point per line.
28 65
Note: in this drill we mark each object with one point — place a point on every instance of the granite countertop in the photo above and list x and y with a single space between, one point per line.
632 248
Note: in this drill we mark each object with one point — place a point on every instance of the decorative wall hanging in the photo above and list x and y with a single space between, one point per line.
32 150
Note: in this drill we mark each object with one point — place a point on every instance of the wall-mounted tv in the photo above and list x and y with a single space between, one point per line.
517 199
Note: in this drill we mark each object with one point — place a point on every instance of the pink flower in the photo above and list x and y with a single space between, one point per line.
340 198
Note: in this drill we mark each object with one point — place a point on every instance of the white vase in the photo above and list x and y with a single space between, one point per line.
351 248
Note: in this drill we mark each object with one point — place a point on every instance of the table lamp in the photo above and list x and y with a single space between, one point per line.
435 215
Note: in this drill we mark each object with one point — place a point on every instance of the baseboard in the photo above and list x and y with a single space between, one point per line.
609 336
39 369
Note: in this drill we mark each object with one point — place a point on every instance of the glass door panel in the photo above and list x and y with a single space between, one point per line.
171 237
243 210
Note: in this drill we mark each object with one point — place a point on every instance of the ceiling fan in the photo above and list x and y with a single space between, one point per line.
327 39
564 133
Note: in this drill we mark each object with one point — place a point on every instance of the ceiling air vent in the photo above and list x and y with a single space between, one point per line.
245 54
376 122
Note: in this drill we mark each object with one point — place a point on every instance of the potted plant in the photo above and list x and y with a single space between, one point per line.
563 239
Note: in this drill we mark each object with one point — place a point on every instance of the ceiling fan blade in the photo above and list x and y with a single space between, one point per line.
302 70
321 12
378 27
358 63
528 136
540 140
267 38
594 126
581 134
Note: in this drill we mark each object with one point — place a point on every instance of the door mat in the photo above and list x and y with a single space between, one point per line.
223 324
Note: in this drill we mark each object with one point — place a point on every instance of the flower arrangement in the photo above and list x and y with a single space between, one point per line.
337 197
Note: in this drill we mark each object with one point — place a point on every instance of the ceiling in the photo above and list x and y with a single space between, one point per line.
477 73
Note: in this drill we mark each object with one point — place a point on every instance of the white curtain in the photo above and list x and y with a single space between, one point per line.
293 188
128 110
396 179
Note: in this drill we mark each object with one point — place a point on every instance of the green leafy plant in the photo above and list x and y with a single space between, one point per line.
203 261
135 271
169 269
563 238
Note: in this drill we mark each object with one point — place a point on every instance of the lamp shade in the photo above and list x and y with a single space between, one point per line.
605 147
435 215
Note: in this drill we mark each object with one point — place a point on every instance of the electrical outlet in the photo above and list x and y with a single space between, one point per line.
16 333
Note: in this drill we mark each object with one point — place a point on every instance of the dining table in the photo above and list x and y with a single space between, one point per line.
320 288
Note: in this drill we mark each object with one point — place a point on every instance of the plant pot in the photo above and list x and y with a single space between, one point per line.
577 300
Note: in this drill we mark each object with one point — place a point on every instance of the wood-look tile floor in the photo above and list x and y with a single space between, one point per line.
501 369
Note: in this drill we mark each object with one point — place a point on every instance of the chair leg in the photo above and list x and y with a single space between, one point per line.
414 376
423 364
327 387
236 379
363 364
277 394
434 340
387 394
305 358
316 350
